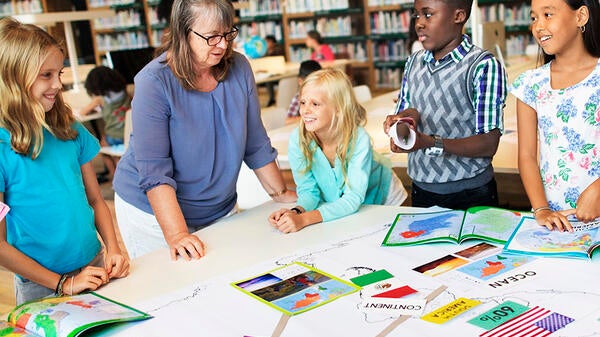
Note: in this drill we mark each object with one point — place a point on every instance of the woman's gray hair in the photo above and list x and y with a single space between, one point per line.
176 38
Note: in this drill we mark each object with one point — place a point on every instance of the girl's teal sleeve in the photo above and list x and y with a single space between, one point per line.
309 195
354 191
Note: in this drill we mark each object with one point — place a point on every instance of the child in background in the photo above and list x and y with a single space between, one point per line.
49 238
108 89
333 162
320 51
273 49
454 92
306 68
560 102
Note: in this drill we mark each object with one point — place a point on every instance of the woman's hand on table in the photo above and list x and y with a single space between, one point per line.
186 245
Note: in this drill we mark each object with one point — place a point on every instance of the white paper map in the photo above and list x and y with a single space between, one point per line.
220 310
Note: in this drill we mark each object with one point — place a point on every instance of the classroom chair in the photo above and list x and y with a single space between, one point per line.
273 117
363 93
286 89
119 151
250 191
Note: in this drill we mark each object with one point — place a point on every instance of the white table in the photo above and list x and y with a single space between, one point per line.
196 299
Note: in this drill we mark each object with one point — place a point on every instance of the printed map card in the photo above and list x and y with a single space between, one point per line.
531 238
382 293
484 223
295 288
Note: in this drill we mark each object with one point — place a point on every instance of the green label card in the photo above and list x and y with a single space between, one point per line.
498 315
373 277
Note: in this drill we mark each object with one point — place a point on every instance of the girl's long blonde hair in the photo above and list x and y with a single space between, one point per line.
24 49
348 116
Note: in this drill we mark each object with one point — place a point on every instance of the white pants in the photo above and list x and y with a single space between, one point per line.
396 193
140 231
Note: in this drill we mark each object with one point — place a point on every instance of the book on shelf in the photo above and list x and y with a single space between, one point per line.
66 316
482 222
532 239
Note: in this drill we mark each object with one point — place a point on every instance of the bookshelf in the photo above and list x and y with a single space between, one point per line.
17 7
516 17
156 26
135 26
128 29
341 24
261 18
389 24
373 33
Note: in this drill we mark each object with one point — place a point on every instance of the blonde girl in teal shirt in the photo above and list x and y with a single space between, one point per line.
49 239
331 157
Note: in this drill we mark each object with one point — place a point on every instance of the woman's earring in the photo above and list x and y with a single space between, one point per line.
582 29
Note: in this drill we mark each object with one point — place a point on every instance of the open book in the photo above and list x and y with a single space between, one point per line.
66 316
482 222
531 238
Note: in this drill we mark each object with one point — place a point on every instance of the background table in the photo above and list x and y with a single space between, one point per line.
273 68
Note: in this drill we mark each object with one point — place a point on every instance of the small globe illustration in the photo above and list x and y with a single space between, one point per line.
255 47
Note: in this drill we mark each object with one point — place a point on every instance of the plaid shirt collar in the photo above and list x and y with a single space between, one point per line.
456 54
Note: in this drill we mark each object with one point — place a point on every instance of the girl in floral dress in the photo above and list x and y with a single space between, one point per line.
560 102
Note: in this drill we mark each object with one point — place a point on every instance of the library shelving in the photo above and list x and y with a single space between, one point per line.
15 7
260 18
156 26
516 17
341 24
388 31
373 33
128 29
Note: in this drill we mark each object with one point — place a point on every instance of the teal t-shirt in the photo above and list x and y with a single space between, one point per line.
50 219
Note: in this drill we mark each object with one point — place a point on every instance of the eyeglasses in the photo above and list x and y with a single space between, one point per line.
214 40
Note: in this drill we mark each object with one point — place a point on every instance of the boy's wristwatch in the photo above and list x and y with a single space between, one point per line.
438 147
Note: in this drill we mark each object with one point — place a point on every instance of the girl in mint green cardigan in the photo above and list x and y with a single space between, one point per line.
333 162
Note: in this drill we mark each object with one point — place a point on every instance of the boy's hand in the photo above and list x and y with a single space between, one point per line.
392 119
403 131
411 113
410 117
389 121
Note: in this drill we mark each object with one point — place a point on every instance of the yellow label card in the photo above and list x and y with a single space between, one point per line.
450 310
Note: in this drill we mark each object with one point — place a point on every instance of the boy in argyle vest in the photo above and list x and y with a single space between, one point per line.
454 92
